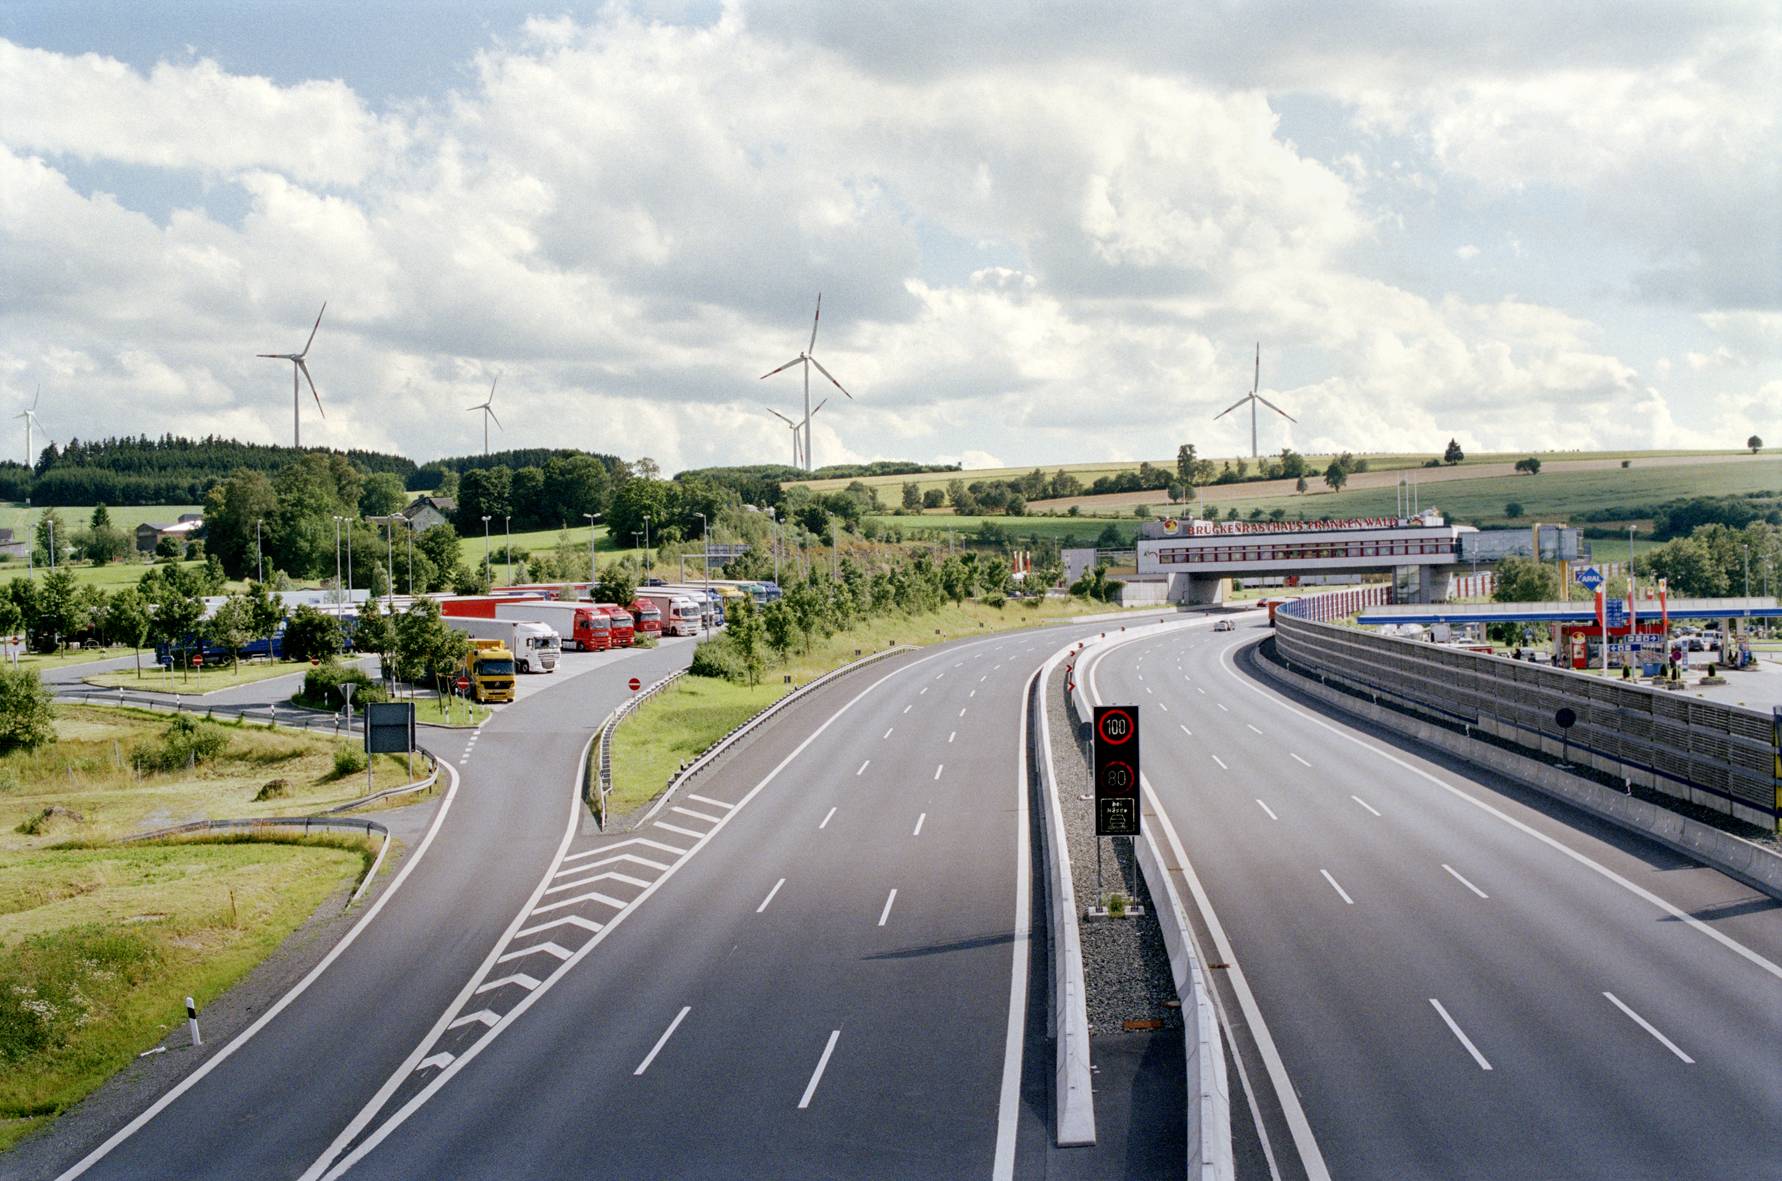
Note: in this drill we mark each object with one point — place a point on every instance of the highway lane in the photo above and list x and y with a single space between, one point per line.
1457 991
280 1097
812 980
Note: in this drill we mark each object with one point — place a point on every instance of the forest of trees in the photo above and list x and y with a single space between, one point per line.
168 470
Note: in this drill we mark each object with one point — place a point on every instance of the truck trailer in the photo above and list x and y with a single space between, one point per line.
535 646
681 615
581 625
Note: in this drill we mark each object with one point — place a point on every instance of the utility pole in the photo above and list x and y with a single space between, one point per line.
337 558
487 568
390 561
259 557
705 553
592 576
646 553
507 532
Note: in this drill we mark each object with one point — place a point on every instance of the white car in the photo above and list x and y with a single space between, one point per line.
1224 625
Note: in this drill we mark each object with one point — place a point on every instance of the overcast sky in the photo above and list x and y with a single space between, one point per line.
1044 232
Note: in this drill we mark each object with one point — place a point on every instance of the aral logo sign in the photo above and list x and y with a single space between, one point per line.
1116 771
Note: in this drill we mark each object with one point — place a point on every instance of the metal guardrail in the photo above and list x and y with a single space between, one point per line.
1714 755
603 784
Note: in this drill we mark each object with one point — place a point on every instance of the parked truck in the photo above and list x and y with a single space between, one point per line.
488 671
681 615
534 646
648 617
711 602
581 625
624 628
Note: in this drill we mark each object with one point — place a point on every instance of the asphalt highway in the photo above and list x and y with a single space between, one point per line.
1461 978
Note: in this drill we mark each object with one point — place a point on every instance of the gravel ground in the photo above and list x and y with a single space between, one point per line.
1126 970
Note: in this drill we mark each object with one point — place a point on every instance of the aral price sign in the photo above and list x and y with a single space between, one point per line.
1116 771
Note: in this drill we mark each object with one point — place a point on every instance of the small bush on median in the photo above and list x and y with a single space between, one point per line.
718 658
186 742
348 761
321 687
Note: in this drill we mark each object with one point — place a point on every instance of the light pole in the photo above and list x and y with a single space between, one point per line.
337 558
349 535
705 553
774 520
507 533
488 570
259 557
390 561
646 554
411 556
49 523
592 576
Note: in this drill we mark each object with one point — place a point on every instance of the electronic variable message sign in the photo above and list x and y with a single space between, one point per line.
1116 771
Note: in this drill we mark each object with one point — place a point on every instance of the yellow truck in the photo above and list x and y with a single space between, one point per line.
489 671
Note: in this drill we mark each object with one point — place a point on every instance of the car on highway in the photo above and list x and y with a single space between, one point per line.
1224 625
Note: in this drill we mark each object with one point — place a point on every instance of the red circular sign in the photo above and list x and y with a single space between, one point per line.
635 684
1116 727
198 659
463 684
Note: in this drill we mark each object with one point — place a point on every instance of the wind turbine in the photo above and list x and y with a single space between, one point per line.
488 409
29 414
297 366
1253 397
797 460
805 359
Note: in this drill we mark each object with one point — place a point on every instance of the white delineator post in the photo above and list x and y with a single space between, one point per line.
192 1021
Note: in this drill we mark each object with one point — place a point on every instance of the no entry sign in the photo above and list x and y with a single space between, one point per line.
635 684
1116 771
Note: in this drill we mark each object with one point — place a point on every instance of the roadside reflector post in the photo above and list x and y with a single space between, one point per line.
192 1021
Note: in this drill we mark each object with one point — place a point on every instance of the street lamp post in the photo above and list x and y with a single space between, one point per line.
488 570
592 576
411 556
390 561
646 554
705 553
1631 626
507 533
349 536
49 523
337 558
259 556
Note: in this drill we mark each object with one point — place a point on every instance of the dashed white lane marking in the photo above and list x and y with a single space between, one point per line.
1150 690
695 815
480 1017
982 678
1364 804
919 820
518 978
1341 893
1646 1025
1464 1040
1141 676
572 920
886 913
550 949
712 802
1221 706
1200 691
938 767
962 711
887 733
1269 810
973 693
686 832
770 894
1164 706
1299 760
827 817
1221 763
1253 729
952 734
906 709
939 675
1455 874
863 767
924 690
817 1075
662 1041
1186 730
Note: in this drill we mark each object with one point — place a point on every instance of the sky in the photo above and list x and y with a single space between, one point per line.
1044 232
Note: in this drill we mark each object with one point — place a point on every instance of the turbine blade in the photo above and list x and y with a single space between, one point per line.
1256 381
38 397
814 320
1232 407
312 331
491 413
782 368
819 406
831 377
478 406
298 361
277 356
492 388
782 418
1276 408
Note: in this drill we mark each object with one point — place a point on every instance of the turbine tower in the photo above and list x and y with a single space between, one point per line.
298 366
1253 397
488 409
797 453
807 360
29 414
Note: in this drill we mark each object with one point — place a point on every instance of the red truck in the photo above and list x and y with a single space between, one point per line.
581 625
649 619
623 626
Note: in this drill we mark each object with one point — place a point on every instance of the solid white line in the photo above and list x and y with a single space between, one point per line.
1014 1036
770 894
886 913
826 818
712 802
1269 810
952 734
863 767
817 1075
695 815
1341 893
1221 763
686 832
1464 1040
938 768
919 820
1298 760
1364 804
217 1059
1646 1025
662 1041
1456 875
1682 916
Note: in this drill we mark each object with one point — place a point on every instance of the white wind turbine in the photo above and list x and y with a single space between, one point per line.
29 414
298 366
1253 397
805 359
797 460
488 409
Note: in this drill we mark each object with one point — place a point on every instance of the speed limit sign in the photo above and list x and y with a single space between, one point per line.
1116 771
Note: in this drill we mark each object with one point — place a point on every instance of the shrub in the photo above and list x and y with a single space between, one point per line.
348 760
186 742
51 985
26 718
719 658
996 601
275 789
321 687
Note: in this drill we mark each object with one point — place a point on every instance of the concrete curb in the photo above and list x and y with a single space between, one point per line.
1074 1089
1734 856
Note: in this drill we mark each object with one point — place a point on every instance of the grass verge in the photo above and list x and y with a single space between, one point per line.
684 720
100 946
206 679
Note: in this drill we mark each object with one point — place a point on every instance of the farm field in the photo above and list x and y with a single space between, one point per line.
19 517
890 487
